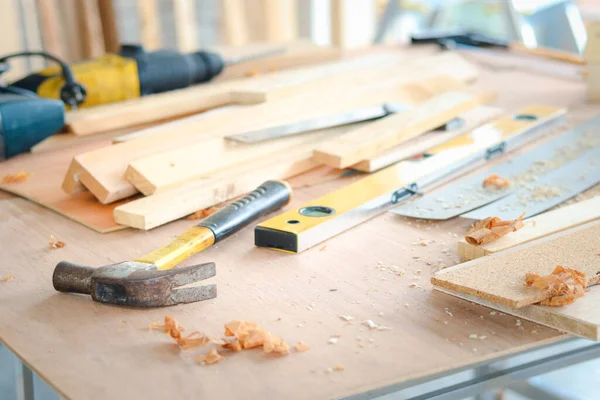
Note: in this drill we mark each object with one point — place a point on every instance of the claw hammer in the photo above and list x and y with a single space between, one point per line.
151 281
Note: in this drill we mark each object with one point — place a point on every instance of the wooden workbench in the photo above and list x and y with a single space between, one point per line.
88 350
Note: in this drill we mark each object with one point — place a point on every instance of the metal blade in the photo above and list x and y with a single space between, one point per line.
554 188
328 121
468 194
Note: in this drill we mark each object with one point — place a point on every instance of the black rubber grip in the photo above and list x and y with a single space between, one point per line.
268 197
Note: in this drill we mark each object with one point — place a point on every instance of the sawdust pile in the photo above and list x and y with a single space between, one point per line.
239 335
55 244
496 181
492 228
563 286
16 178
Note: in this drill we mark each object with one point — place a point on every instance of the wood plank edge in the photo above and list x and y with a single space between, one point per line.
530 313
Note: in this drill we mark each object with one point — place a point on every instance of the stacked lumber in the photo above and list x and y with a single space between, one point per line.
169 149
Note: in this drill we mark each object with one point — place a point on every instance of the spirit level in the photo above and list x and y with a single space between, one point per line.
322 218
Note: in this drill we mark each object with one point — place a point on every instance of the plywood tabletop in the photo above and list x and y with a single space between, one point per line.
88 350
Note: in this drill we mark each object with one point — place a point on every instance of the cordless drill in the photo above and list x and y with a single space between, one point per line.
25 118
132 73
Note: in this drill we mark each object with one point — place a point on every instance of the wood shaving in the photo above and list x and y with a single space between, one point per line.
9 277
15 178
252 73
201 214
212 357
301 347
346 317
332 341
250 335
492 228
338 368
563 286
496 181
232 343
55 244
323 247
373 325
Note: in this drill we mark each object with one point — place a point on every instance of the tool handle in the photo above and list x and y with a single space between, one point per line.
268 197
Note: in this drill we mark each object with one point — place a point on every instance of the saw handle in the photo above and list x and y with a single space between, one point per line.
268 197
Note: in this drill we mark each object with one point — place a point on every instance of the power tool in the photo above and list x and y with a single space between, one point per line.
25 118
132 73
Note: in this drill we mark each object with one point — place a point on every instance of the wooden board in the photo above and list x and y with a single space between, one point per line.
149 24
499 278
90 28
107 181
171 104
579 318
280 20
418 145
234 26
110 31
50 28
158 209
361 144
537 227
43 186
186 32
12 43
169 169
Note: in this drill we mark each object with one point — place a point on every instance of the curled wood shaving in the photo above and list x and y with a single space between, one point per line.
250 335
301 347
212 357
492 228
9 277
201 214
170 326
15 178
232 343
338 368
563 286
55 244
496 181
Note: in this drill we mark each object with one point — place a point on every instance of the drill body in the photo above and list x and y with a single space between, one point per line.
131 73
26 120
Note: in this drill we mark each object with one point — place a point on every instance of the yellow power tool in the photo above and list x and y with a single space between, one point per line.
132 73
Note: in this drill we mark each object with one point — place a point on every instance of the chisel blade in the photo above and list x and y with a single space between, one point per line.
552 189
328 121
468 194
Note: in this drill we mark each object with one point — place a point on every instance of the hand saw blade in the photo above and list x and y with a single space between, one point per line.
468 194
552 189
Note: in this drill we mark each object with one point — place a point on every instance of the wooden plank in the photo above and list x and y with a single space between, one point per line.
110 32
49 25
420 144
32 32
235 29
90 28
175 167
149 212
499 278
537 227
579 318
46 171
361 144
107 182
149 24
280 20
338 23
186 32
11 42
167 105
70 26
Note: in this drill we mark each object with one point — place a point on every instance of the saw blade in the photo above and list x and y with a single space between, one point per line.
552 189
464 195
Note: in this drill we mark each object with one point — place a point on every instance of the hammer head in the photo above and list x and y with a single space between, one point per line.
136 284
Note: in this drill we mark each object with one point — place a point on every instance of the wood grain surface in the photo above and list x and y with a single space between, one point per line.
500 278
46 171
90 351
